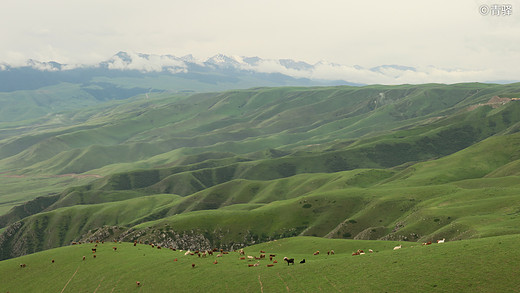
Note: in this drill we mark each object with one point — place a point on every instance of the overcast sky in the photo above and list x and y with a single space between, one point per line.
452 36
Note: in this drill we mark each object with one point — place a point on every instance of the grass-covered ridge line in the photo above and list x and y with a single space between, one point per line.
460 266
457 199
408 163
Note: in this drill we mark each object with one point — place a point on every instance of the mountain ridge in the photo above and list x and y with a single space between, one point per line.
405 163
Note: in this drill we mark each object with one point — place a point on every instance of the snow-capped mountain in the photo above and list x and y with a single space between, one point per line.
225 72
53 86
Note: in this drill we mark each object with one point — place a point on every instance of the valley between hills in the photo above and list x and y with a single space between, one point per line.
408 163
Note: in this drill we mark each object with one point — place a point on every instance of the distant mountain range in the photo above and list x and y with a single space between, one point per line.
39 88
219 72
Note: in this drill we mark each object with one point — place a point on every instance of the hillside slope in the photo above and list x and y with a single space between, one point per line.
460 266
410 163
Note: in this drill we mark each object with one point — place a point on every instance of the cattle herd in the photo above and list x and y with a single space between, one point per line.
241 253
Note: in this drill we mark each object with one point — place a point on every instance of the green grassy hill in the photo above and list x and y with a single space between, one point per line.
452 197
403 163
479 265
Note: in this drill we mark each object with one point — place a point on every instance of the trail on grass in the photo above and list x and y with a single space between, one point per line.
331 284
261 286
99 284
70 280
286 287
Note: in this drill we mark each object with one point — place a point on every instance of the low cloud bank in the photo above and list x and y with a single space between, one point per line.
323 70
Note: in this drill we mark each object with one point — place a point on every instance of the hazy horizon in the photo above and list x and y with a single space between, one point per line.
446 41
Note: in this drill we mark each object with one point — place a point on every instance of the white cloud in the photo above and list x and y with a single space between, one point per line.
147 63
443 34
387 75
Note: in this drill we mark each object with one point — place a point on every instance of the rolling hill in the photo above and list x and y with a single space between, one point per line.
242 167
458 266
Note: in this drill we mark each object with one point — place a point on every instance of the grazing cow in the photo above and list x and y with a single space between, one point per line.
215 262
114 248
83 257
331 251
441 241
316 253
242 258
289 260
256 264
187 252
358 252
158 247
250 257
74 243
94 250
370 250
275 261
175 260
241 251
192 265
210 252
138 283
427 243
270 258
52 261
398 247
250 265
261 251
97 241
22 265
302 261
135 243
94 256
270 265
219 255
262 255
272 255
